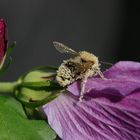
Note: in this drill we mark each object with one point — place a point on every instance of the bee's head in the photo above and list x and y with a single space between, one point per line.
88 57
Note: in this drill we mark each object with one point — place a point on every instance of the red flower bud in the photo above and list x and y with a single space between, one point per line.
3 39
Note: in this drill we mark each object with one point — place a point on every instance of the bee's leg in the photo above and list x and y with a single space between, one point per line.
101 75
83 83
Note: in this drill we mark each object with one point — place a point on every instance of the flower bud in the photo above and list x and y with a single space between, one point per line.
38 87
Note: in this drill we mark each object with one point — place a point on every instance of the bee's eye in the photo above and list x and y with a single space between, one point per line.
83 61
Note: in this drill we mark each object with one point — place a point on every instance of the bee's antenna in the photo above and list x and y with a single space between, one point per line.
107 63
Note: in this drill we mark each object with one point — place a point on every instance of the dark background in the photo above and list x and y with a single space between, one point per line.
108 28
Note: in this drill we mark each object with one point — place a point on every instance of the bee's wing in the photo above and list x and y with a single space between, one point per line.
63 48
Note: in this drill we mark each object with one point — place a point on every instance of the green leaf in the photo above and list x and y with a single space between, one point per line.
14 124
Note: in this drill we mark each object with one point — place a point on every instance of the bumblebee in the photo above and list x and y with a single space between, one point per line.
81 65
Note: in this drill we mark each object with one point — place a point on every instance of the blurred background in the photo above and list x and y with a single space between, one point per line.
108 28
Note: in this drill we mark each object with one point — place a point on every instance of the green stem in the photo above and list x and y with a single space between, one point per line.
8 87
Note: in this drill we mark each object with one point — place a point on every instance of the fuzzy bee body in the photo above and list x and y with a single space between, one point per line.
76 68
81 66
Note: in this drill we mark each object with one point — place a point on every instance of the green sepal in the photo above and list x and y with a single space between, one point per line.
6 66
43 85
39 74
10 49
3 66
34 104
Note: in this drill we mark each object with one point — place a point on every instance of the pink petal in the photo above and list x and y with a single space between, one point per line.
110 109
3 39
95 119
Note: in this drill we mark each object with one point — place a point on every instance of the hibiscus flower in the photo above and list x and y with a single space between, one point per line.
110 109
